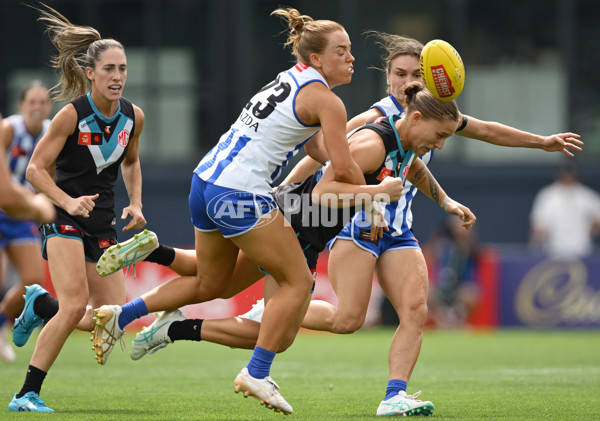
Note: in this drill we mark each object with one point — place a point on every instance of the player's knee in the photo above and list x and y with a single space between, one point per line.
302 282
348 324
417 315
421 312
72 313
209 289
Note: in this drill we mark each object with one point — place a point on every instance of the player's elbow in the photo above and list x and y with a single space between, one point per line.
31 172
344 174
129 163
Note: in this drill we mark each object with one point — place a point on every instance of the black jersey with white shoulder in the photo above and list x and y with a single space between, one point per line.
89 163
394 153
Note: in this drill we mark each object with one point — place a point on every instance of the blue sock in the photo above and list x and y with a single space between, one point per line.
3 319
259 366
131 311
393 387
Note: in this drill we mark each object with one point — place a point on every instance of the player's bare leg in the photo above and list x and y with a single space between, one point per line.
408 295
351 275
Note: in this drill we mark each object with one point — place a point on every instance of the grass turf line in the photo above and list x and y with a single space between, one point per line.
502 375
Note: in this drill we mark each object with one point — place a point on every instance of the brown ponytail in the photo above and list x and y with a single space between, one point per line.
78 47
418 98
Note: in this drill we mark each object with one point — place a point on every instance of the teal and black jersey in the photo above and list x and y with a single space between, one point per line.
89 163
394 153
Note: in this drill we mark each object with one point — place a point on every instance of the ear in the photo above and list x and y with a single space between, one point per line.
315 60
416 117
89 72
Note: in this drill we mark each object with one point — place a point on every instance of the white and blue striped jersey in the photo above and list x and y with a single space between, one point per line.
388 106
266 135
398 214
21 148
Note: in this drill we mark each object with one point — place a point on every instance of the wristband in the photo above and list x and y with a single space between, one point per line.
463 124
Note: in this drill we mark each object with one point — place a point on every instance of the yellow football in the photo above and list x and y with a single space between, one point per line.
442 70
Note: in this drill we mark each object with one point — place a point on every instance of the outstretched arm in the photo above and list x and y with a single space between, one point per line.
503 135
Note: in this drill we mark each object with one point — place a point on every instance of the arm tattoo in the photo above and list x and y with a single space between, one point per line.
424 175
434 186
416 179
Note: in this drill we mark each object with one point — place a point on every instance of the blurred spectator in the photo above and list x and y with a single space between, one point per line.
453 255
565 216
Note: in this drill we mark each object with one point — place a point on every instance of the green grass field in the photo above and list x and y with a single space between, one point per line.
503 375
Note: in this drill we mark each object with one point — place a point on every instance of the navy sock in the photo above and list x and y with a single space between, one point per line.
393 387
131 311
33 381
259 366
3 319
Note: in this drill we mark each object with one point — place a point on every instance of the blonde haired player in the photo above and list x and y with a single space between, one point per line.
281 118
